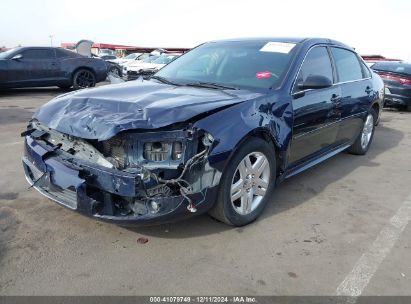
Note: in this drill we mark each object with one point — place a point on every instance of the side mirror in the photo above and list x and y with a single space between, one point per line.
17 57
315 82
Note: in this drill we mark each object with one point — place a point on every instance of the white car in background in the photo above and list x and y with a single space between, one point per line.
149 67
137 64
131 58
105 52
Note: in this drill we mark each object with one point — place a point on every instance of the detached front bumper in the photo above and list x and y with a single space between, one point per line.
133 75
95 192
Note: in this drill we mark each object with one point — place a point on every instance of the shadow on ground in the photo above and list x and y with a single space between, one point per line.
289 194
10 115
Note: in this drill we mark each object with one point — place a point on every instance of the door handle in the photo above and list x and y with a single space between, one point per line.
335 98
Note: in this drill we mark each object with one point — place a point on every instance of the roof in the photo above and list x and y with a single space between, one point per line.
277 39
296 40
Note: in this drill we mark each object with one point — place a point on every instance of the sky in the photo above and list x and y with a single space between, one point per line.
371 27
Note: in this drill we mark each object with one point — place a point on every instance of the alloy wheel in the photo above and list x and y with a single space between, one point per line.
85 79
250 183
367 131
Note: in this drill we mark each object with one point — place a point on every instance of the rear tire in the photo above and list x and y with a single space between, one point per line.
408 108
246 184
364 139
83 78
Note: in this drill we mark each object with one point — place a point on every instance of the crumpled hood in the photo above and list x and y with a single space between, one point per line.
103 112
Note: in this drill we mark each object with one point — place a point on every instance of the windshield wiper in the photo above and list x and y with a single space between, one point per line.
210 85
164 80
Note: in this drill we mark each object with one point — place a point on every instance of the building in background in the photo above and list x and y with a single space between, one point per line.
120 50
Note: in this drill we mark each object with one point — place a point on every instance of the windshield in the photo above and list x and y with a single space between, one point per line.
132 56
7 54
394 67
108 57
150 59
106 51
252 64
164 59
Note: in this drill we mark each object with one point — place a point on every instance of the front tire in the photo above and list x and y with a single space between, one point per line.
115 70
83 78
364 139
246 184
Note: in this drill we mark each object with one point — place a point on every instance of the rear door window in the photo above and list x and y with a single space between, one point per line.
347 64
317 62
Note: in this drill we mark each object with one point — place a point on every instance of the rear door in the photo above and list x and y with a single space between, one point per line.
354 79
316 119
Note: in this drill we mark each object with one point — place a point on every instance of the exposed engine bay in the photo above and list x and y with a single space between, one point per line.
164 164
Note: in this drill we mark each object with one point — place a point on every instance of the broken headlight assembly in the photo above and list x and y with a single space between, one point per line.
168 163
151 150
161 150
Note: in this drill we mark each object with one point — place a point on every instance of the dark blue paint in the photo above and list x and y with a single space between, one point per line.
101 113
304 129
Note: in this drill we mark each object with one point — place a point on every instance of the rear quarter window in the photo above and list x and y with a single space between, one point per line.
61 53
365 70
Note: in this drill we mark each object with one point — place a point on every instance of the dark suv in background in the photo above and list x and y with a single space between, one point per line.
47 66
213 131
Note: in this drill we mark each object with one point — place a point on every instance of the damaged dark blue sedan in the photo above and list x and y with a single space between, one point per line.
213 131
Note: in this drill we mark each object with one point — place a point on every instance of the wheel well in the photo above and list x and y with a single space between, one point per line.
82 68
265 135
376 108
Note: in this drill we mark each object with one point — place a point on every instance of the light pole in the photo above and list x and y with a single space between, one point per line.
51 40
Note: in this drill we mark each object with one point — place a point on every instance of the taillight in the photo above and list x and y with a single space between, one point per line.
399 79
405 81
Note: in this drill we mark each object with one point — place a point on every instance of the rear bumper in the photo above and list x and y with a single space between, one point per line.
397 100
95 192
397 95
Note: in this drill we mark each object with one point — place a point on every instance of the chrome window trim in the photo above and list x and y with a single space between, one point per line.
328 46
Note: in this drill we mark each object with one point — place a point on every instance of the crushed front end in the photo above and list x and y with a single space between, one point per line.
132 178
145 73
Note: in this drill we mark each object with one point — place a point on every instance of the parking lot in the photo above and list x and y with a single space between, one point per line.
337 228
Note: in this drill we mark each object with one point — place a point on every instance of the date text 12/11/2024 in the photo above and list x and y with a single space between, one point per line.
204 299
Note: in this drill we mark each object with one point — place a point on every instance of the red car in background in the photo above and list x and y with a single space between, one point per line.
372 59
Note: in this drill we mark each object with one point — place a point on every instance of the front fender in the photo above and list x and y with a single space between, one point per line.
271 113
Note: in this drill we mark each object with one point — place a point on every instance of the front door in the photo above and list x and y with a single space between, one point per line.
316 116
35 67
